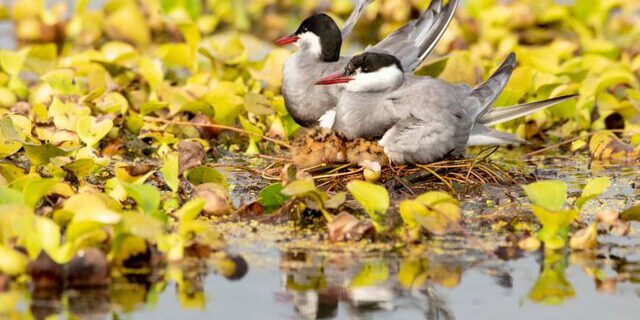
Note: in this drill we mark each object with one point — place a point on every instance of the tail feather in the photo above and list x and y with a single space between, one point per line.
487 92
358 11
435 6
428 39
413 42
500 115
482 136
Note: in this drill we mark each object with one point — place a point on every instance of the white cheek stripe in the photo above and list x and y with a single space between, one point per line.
383 78
309 41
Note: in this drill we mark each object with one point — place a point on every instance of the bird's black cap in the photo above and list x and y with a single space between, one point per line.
371 62
327 30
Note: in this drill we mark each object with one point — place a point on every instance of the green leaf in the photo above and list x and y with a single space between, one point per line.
11 172
42 154
65 115
128 23
204 174
13 262
177 8
226 102
372 197
306 188
255 135
271 197
435 211
408 210
151 71
42 58
147 197
82 167
61 80
299 188
35 189
9 138
175 55
631 214
555 225
550 195
169 171
112 102
91 131
143 226
10 196
13 61
91 207
190 210
593 189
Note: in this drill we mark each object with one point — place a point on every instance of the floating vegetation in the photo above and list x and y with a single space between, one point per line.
125 131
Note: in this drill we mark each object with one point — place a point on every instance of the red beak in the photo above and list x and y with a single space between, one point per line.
286 40
334 78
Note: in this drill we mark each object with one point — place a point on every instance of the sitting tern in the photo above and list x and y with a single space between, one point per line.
422 119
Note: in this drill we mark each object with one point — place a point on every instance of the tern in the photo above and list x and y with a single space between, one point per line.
320 40
422 119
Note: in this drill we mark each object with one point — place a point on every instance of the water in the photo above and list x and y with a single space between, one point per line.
290 279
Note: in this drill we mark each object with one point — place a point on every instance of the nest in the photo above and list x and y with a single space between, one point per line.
456 175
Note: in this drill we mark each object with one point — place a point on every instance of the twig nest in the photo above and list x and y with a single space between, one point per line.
316 146
217 199
89 268
46 273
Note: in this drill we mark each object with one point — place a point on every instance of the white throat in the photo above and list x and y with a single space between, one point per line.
310 42
383 79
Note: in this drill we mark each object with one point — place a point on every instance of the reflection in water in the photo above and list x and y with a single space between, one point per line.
130 290
323 285
552 287
316 285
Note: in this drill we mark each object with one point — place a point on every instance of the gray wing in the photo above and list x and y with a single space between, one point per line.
412 43
357 12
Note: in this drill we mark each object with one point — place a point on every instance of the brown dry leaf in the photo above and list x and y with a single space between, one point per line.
585 239
217 199
606 145
346 227
89 268
620 228
608 216
206 132
190 155
113 147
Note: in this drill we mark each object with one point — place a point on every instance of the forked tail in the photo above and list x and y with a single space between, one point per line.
482 99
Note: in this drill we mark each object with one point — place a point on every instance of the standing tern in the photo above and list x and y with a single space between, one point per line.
422 119
320 40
